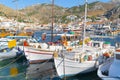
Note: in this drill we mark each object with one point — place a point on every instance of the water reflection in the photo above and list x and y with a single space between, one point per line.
13 69
41 71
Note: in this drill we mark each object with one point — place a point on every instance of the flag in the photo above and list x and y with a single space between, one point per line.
11 43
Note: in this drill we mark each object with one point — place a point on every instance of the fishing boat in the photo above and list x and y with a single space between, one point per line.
80 60
4 33
36 52
8 53
77 61
36 55
41 51
9 50
110 69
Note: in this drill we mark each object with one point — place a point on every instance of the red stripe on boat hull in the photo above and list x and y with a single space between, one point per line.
39 53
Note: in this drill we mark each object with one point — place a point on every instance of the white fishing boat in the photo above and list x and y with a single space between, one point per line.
8 53
35 55
83 59
110 69
8 49
77 61
38 52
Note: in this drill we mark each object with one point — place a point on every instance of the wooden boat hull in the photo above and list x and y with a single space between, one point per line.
71 68
36 55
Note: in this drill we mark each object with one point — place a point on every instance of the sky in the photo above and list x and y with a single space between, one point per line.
64 3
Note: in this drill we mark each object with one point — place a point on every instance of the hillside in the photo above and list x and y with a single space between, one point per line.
6 11
42 13
94 9
11 13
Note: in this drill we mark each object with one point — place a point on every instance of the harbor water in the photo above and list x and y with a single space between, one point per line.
20 69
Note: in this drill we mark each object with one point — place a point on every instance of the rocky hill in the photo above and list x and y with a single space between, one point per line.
95 8
114 13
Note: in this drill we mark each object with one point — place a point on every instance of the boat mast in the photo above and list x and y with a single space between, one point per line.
52 20
84 24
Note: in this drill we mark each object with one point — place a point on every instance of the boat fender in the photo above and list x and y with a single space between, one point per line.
55 54
85 57
89 57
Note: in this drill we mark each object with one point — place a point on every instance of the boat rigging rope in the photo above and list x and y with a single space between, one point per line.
11 62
